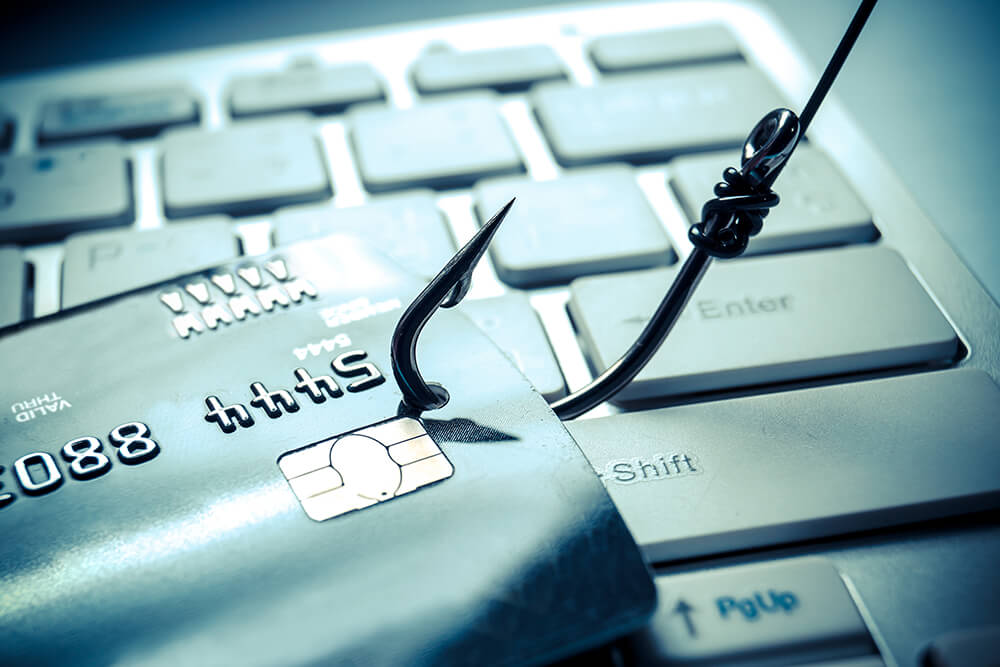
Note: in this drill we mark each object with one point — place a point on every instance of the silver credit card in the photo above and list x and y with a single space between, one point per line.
217 471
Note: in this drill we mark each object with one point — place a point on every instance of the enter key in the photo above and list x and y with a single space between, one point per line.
768 319
799 609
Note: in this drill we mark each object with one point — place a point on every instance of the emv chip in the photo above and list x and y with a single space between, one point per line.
360 468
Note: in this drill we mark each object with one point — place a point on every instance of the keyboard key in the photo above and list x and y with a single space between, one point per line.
768 319
12 286
818 206
512 324
591 221
101 264
643 117
52 193
6 131
783 610
677 46
815 462
139 113
250 168
407 227
502 69
973 647
307 88
443 143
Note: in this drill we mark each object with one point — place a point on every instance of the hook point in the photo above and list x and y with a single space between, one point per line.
445 290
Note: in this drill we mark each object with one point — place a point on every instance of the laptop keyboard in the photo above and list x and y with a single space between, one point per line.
611 139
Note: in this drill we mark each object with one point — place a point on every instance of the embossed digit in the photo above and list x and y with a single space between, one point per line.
5 498
85 458
345 365
133 443
53 478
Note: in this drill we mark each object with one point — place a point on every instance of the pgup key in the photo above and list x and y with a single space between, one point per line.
793 610
758 604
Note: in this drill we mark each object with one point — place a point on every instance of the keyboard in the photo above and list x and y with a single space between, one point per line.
809 465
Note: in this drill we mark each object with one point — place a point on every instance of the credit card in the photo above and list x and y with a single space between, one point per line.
218 470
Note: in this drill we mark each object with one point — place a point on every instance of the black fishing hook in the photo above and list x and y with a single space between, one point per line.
728 221
446 290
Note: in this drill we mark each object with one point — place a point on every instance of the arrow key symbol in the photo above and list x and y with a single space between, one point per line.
684 609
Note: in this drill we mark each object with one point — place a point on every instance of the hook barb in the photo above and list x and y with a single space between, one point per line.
445 290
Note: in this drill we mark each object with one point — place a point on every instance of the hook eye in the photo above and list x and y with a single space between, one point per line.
768 147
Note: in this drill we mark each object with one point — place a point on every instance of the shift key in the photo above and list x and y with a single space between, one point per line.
772 319
707 478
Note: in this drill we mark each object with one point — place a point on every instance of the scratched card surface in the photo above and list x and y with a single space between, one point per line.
215 471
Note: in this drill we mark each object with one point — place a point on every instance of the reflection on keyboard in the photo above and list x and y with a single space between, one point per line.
611 138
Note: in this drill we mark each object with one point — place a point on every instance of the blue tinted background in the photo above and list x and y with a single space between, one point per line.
922 82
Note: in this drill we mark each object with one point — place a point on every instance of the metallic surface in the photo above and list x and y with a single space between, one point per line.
203 555
764 41
925 66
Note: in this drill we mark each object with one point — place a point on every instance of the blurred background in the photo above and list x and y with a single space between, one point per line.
922 82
